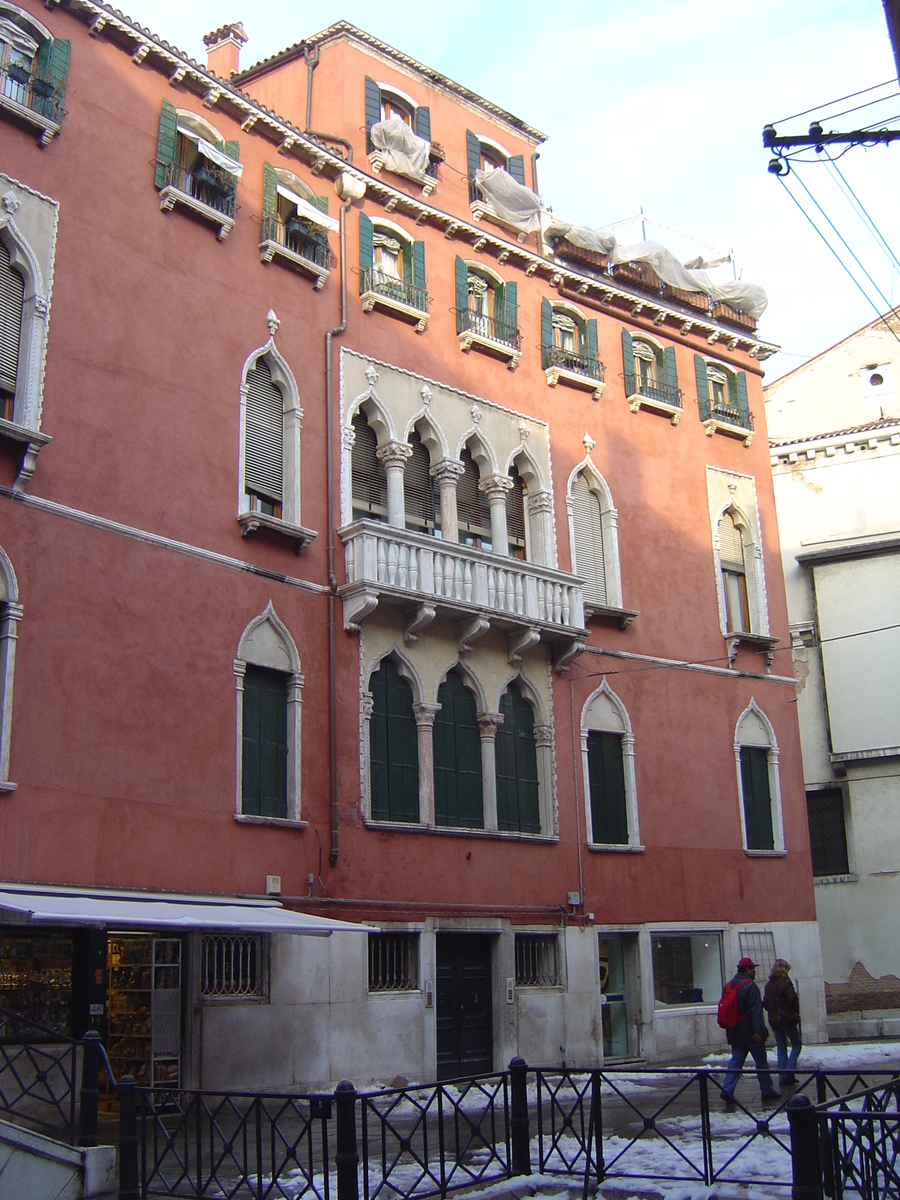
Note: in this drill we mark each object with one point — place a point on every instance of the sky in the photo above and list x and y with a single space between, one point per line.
659 105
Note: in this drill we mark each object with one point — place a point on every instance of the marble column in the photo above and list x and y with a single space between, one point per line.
425 714
393 456
488 724
495 488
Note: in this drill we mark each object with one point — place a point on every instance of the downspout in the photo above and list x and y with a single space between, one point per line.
311 63
349 188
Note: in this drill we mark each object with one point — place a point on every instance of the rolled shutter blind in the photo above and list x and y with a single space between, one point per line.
12 291
418 486
263 434
472 507
589 561
731 544
515 509
368 481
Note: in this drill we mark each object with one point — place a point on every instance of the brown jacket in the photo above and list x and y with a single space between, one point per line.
781 1003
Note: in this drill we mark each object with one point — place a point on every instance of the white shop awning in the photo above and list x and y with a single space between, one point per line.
211 152
138 910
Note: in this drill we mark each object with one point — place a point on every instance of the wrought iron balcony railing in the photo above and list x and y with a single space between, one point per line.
468 321
665 393
392 288
210 185
38 95
568 360
297 237
727 413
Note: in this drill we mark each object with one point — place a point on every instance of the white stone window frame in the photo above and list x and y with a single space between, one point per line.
754 730
545 753
267 643
391 91
604 712
540 541
10 615
734 493
25 426
283 379
484 140
172 194
609 525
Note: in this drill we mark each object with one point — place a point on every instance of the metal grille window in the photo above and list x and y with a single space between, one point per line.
393 962
537 960
231 965
761 948
827 832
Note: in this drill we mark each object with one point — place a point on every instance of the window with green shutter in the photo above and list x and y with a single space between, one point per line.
33 72
606 777
265 744
393 748
518 800
757 798
587 519
263 441
12 292
458 794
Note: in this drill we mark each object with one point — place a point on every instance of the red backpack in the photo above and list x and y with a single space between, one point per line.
729 1015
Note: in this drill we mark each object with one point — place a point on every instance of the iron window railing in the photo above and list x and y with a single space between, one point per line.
468 321
231 965
537 960
393 288
666 393
581 364
393 962
297 237
39 95
711 410
213 187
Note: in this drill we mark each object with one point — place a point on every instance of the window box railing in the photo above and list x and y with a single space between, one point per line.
726 418
427 577
395 294
294 242
206 190
500 337
648 393
37 100
580 369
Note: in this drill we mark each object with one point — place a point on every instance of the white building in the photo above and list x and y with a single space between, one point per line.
834 425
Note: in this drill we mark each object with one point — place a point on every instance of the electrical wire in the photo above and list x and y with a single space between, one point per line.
855 201
839 100
859 107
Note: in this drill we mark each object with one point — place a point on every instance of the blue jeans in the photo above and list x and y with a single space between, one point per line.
738 1058
787 1064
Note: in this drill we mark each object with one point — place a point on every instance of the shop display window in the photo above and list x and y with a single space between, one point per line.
36 983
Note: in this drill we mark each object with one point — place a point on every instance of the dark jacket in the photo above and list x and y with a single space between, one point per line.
750 1004
781 1002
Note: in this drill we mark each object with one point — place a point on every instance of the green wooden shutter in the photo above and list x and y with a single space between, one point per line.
628 362
264 757
379 792
702 378
373 103
518 806
233 150
743 399
418 262
393 748
12 297
516 168
606 779
423 123
590 562
458 791
462 293
671 372
263 435
546 329
511 292
406 256
52 65
590 343
473 153
321 203
365 250
166 142
270 192
757 798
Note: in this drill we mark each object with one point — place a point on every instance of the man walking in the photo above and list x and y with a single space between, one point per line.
749 1037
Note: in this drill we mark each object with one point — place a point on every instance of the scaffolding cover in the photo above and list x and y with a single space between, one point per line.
749 298
403 151
514 204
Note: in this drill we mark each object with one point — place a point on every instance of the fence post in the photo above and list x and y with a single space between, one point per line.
346 1157
129 1185
806 1167
90 1089
596 1134
518 1117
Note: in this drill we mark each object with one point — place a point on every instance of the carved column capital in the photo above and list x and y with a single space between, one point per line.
495 487
394 454
543 735
425 714
447 470
348 437
488 724
366 705
14 611
541 502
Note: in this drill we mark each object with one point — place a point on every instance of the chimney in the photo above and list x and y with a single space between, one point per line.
223 49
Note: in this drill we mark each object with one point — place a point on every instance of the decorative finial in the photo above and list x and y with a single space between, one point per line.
476 413
588 442
524 432
11 202
371 374
427 394
272 322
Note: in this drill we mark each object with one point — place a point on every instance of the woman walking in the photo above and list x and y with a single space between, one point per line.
783 1009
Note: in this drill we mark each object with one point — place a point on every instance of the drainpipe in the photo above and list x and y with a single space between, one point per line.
312 61
349 188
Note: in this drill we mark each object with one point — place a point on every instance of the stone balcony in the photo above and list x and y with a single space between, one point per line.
425 578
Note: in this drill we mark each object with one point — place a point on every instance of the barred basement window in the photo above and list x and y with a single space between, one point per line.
761 948
537 960
393 962
231 965
827 832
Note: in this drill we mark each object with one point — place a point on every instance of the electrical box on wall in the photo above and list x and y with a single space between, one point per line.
429 994
510 990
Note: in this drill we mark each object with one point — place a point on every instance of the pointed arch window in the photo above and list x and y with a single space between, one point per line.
734 575
458 790
609 776
759 785
12 292
518 793
515 514
368 479
264 442
587 519
10 615
420 492
393 748
472 507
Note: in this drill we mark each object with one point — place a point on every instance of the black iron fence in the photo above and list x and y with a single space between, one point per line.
724 412
568 360
415 1143
210 185
299 238
394 288
637 385
18 84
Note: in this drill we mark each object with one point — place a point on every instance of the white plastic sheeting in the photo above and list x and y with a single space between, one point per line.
749 298
210 152
404 152
514 204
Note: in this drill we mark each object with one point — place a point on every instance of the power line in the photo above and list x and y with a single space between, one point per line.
859 107
861 209
840 100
